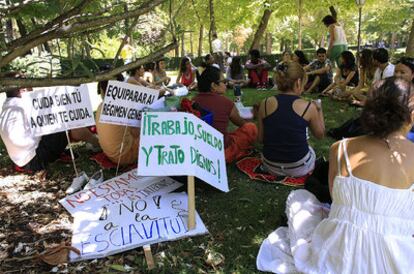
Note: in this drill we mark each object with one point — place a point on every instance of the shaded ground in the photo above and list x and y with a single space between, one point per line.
31 219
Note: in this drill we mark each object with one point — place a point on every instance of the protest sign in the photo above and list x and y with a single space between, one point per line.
123 103
57 109
177 143
127 225
124 188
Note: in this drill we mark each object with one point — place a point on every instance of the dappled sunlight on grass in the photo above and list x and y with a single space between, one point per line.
238 221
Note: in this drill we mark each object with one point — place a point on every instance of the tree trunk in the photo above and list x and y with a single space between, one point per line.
191 44
23 32
300 12
45 45
200 40
9 30
268 43
410 43
182 45
261 29
212 25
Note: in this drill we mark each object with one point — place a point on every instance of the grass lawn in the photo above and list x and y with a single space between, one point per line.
238 221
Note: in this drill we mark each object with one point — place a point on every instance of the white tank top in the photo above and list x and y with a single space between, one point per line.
340 38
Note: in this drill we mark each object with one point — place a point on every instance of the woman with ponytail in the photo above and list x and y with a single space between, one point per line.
369 226
283 122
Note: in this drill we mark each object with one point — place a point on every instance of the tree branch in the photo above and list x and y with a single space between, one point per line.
77 27
8 10
9 83
60 20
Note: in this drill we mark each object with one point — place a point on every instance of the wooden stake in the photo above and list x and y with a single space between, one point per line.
148 257
191 202
71 154
120 151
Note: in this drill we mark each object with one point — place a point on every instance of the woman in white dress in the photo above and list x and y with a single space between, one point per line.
369 227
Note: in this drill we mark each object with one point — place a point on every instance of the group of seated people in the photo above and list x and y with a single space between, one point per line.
383 169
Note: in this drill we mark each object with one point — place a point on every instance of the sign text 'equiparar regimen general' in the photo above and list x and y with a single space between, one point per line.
123 103
177 143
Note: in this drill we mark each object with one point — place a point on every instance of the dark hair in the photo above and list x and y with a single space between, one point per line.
255 53
329 20
365 59
285 79
15 91
157 64
183 67
348 60
302 57
387 109
149 66
380 55
409 62
205 63
227 53
235 66
132 71
208 76
102 85
321 51
214 35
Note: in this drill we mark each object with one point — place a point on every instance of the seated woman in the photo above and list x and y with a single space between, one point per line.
283 120
369 226
346 76
300 57
187 74
159 74
282 65
136 77
211 87
111 136
236 77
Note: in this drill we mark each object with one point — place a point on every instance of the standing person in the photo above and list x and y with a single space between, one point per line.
159 75
384 68
236 78
337 39
283 121
217 47
319 72
258 70
227 58
369 226
187 74
128 51
300 57
211 87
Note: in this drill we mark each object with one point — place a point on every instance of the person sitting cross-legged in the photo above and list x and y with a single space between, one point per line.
283 120
211 87
319 72
258 70
369 226
29 153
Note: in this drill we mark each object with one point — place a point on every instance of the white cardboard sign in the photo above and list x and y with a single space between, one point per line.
57 109
123 103
126 187
127 225
177 143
